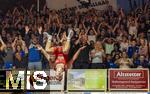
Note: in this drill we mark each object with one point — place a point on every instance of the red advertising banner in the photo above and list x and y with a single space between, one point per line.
133 79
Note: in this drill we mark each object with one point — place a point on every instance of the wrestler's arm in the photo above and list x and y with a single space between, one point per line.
66 46
48 47
44 52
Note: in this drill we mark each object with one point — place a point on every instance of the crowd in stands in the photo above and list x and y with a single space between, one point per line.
112 39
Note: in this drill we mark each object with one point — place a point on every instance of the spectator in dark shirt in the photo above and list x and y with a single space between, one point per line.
141 62
82 61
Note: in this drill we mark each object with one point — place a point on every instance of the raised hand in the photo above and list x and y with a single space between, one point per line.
20 37
39 47
27 29
88 27
64 35
15 40
80 35
40 29
32 5
70 34
23 43
93 27
48 36
83 21
61 25
119 18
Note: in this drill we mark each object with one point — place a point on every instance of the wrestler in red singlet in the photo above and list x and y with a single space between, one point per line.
60 56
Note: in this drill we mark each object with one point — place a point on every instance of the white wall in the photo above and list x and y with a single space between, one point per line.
61 4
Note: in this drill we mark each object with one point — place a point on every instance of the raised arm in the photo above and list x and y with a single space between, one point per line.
27 38
128 22
57 36
136 22
84 24
117 25
24 10
76 23
14 10
17 21
49 19
145 8
122 13
114 40
77 53
3 44
44 8
87 30
78 40
98 29
31 8
57 18
23 46
94 30
75 56
14 43
105 39
44 52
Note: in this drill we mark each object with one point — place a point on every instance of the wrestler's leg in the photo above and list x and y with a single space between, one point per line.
66 45
47 55
48 46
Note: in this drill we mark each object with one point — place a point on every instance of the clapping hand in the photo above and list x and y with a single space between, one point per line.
40 29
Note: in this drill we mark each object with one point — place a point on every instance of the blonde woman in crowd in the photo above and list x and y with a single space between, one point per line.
97 56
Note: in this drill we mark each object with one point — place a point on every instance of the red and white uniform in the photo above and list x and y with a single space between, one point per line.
60 56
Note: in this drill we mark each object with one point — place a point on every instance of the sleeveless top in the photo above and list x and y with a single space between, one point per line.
97 57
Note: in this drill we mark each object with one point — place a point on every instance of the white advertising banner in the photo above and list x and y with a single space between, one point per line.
74 4
56 84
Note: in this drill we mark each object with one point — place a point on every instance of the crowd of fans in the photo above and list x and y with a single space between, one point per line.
112 39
